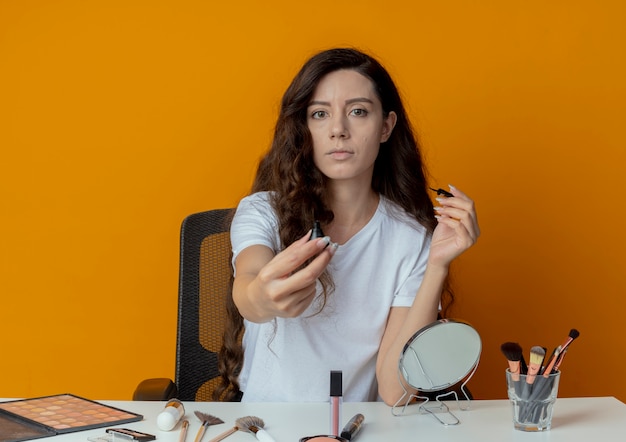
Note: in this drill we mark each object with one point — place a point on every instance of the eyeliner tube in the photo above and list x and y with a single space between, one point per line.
336 401
316 231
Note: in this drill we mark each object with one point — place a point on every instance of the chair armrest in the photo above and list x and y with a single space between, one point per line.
155 389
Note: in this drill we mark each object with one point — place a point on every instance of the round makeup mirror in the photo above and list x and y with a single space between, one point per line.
436 358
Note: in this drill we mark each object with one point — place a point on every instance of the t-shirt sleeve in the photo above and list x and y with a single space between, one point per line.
405 294
254 223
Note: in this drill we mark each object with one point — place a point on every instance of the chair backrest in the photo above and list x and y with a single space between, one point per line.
204 284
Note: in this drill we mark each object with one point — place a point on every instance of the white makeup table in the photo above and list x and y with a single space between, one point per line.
574 419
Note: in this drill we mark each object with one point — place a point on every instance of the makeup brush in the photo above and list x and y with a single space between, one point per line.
552 366
207 420
559 361
543 384
183 431
512 351
537 354
523 368
254 425
547 370
573 334
225 434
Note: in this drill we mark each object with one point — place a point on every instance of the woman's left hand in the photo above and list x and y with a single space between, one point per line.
457 229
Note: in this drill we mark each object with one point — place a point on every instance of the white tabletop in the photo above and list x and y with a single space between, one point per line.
575 419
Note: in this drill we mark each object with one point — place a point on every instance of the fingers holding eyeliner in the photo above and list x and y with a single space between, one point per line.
459 208
289 284
290 259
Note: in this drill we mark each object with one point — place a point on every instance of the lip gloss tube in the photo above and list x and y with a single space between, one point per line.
336 401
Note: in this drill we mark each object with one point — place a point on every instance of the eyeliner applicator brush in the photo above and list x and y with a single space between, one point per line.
442 192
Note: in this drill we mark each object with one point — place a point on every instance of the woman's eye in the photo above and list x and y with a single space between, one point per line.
318 114
359 112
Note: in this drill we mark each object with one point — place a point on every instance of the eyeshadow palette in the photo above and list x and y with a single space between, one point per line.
26 419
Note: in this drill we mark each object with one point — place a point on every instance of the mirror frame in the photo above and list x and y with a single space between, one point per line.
451 335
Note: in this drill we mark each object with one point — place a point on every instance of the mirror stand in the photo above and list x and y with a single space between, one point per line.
436 408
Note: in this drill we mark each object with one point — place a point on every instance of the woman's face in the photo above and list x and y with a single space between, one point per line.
345 118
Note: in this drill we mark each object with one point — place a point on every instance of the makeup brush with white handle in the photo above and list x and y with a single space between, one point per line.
254 425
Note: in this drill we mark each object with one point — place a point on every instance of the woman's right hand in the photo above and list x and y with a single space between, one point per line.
269 286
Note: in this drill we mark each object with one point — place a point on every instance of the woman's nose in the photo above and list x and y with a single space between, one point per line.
339 128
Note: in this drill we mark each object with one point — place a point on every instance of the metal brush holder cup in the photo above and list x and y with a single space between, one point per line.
441 355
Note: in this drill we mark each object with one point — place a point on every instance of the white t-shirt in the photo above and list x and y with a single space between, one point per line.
290 359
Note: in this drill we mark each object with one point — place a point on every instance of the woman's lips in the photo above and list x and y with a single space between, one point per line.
340 154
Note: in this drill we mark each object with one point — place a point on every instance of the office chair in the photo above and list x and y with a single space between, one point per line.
204 283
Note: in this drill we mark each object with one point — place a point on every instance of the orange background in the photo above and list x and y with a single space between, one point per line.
119 118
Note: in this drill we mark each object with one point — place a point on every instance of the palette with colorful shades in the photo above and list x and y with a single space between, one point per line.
26 419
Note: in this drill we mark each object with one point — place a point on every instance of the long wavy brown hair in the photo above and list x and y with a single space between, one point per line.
299 188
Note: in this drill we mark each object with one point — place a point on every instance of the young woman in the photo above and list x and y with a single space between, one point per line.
343 153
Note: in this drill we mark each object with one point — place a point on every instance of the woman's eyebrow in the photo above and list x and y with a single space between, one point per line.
359 100
350 101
